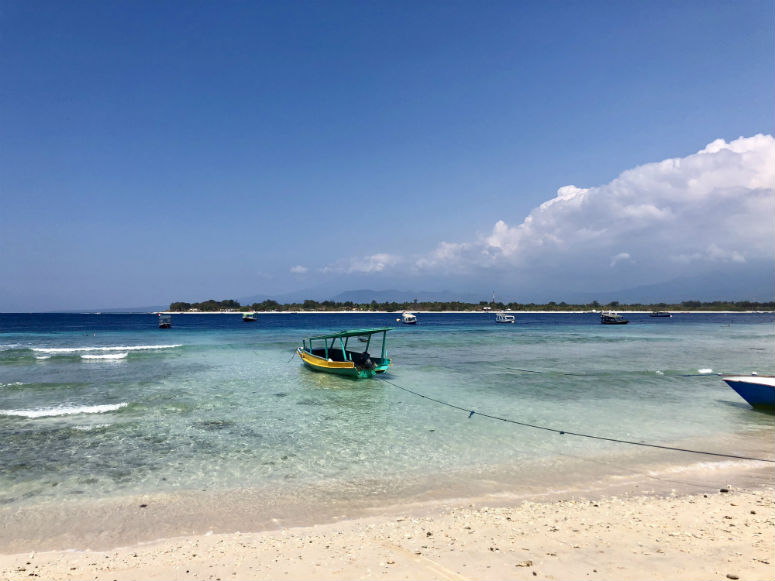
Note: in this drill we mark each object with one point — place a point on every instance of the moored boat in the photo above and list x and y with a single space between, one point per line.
332 354
504 318
165 321
408 318
757 390
248 317
612 318
660 314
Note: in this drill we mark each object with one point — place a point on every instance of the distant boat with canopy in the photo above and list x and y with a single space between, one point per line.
337 353
408 318
661 314
612 318
502 317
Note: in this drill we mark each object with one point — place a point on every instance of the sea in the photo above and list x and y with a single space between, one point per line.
113 430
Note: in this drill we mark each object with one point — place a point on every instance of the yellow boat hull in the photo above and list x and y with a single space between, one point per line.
346 368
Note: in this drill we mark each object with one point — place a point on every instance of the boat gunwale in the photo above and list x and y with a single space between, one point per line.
750 379
342 368
327 363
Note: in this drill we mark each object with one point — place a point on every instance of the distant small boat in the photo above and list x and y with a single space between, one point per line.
504 318
612 318
165 321
757 390
332 354
660 314
408 318
248 317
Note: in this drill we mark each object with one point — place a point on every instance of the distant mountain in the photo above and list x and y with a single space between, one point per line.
393 295
318 293
256 299
731 285
151 309
363 296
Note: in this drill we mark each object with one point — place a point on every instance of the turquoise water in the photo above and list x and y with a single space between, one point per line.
101 406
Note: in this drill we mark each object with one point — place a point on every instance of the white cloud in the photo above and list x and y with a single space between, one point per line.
446 254
621 257
715 206
711 254
299 269
365 264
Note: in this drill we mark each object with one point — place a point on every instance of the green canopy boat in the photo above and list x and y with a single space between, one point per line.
335 352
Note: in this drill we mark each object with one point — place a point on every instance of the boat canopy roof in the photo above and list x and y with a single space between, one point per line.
351 333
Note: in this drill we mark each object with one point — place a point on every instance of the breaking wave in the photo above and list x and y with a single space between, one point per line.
64 411
63 350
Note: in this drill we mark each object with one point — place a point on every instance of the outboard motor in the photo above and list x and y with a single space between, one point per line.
363 361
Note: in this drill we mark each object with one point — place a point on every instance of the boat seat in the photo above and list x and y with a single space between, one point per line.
360 359
333 354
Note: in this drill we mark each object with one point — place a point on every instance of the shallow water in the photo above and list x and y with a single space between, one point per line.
102 406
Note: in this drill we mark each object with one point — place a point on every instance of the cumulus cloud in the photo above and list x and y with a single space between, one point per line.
299 269
715 206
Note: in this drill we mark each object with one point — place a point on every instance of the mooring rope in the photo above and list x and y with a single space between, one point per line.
471 413
709 374
552 372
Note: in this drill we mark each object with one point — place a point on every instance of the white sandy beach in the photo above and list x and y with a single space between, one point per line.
719 535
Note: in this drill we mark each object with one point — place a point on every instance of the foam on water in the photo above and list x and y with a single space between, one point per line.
90 428
9 346
106 356
107 348
64 411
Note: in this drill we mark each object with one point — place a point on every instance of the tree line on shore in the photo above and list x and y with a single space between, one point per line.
310 305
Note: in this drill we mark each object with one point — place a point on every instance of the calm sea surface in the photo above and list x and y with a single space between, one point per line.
101 406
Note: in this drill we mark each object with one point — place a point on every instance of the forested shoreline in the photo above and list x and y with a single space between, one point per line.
393 306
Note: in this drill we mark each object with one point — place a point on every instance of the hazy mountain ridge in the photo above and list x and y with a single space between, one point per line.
732 285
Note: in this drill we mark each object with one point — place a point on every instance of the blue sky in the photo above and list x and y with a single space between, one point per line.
160 151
